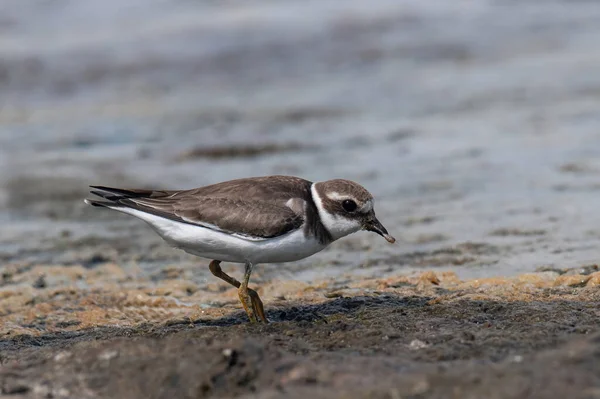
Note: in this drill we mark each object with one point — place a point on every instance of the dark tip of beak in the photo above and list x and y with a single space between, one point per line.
376 227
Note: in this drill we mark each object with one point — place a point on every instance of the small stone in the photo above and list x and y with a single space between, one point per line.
61 356
40 282
107 355
227 352
417 344
517 359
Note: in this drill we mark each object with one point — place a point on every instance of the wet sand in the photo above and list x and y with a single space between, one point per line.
475 125
427 335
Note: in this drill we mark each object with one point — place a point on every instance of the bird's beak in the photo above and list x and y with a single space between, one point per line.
375 226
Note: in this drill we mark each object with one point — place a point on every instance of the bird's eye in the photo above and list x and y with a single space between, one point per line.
349 205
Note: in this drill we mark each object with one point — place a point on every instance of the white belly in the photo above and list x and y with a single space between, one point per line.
212 244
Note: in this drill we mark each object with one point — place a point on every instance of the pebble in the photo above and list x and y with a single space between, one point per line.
107 355
417 344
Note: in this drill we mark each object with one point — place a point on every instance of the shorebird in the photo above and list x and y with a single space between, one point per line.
252 220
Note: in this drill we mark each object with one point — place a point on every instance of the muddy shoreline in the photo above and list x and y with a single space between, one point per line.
429 335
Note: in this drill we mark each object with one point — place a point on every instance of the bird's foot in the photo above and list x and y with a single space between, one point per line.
252 305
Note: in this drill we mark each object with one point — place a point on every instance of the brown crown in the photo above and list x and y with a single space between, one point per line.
345 188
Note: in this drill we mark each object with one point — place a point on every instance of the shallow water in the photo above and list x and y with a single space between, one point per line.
471 122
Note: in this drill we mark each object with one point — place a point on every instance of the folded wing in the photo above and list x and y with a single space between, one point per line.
254 217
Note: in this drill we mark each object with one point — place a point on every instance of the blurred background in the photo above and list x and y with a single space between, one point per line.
475 123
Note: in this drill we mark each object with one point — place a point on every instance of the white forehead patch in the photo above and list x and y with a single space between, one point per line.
334 195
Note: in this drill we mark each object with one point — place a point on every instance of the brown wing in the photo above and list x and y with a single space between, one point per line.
245 217
274 189
254 207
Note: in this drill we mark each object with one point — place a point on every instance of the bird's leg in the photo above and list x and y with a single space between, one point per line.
257 305
245 298
215 269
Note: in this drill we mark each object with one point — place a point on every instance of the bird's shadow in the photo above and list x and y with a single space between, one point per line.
320 312
279 313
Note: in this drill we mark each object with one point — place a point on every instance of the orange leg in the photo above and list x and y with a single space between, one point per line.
248 296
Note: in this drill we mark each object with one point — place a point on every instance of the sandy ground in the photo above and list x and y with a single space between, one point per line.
474 123
427 335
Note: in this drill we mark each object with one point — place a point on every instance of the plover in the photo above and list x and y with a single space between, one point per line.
252 220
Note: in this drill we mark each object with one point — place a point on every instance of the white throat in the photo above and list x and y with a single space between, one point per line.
337 225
